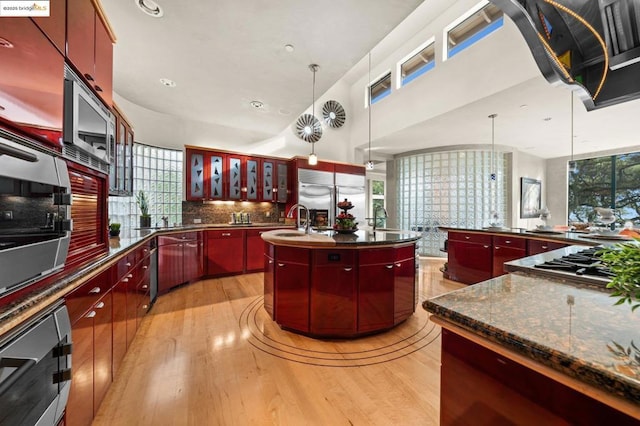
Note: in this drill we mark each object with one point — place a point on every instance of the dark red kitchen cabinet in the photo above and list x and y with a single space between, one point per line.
80 403
282 176
90 47
376 285
292 296
252 179
54 25
180 259
537 246
269 182
120 343
255 250
505 249
334 295
269 278
103 358
470 257
199 168
236 177
404 283
225 252
31 82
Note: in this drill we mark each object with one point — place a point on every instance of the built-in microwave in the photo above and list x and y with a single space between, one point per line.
89 126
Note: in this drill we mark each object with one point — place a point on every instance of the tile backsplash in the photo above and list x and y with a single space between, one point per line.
220 211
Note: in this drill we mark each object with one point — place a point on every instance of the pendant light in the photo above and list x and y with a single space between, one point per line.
493 147
369 162
495 216
313 158
573 166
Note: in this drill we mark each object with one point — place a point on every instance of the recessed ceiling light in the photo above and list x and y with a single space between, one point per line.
524 106
5 43
547 119
283 111
256 104
167 82
289 48
149 7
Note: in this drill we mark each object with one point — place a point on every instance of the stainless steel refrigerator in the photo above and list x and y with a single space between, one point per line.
321 191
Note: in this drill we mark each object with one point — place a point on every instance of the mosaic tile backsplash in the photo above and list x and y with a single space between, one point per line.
221 211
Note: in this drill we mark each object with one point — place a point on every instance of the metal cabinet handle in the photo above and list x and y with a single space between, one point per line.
145 250
486 246
94 290
125 280
281 264
545 247
388 266
100 305
348 269
398 265
145 267
128 264
145 307
130 276
226 234
184 237
497 248
270 261
144 287
466 237
507 241
91 314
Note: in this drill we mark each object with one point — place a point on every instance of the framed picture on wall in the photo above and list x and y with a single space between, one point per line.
530 202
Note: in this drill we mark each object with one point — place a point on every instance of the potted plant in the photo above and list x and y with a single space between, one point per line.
143 203
114 229
624 261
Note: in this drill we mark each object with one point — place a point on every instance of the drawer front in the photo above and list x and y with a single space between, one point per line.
377 256
537 246
333 257
292 254
125 265
506 241
258 232
407 252
470 237
225 233
85 297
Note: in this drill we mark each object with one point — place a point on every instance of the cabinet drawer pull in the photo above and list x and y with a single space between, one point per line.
145 307
466 237
226 234
144 287
486 246
94 290
388 266
100 305
348 269
184 238
281 264
545 247
88 77
91 314
130 276
398 265
270 262
98 88
145 250
507 242
128 264
145 267
125 280
497 248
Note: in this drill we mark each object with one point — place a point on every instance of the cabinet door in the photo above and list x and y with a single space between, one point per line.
225 252
292 295
102 346
31 81
80 403
282 182
217 177
269 276
103 62
193 259
54 25
375 305
81 37
255 250
252 181
195 176
119 296
404 289
235 177
333 308
469 263
169 267
503 254
268 174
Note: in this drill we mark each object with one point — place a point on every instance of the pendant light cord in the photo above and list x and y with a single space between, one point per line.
313 105
571 125
369 106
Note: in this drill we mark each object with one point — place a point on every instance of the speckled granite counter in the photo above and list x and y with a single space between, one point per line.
18 311
574 330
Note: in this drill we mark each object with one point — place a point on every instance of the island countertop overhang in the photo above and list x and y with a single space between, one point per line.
357 239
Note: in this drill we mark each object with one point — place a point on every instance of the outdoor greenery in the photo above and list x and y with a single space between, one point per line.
612 181
624 261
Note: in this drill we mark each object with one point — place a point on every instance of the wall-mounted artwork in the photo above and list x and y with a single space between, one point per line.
530 194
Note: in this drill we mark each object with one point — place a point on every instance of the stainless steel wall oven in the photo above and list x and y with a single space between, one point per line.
35 225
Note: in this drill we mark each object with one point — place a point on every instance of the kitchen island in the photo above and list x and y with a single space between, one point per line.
525 349
340 285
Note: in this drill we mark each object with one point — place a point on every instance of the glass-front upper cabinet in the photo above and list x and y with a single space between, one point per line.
121 168
235 178
252 179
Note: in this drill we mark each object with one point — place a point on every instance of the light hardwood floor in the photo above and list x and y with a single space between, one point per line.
208 354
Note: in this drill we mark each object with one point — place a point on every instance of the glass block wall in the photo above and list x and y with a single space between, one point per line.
157 172
450 189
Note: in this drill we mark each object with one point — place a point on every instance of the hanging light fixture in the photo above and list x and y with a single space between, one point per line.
369 162
495 216
573 166
493 175
313 158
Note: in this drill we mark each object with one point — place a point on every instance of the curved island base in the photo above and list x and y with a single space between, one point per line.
340 286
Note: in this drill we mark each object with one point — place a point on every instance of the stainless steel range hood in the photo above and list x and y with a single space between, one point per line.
592 45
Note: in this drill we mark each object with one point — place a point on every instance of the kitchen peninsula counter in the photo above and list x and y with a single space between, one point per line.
570 335
340 285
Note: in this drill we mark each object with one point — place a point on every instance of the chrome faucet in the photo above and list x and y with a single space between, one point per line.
307 222
375 215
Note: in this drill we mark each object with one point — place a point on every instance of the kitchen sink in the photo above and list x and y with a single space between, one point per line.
289 234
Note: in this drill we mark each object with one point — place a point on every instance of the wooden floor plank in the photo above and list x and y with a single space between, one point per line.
207 354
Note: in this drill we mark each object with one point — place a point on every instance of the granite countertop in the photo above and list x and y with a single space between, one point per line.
18 311
572 329
559 236
365 237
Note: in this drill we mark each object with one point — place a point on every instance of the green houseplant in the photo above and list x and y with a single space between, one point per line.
114 229
624 261
143 204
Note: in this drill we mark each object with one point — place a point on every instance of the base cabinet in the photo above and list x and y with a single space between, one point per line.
269 276
470 257
180 259
404 284
506 249
292 292
225 252
481 387
376 286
